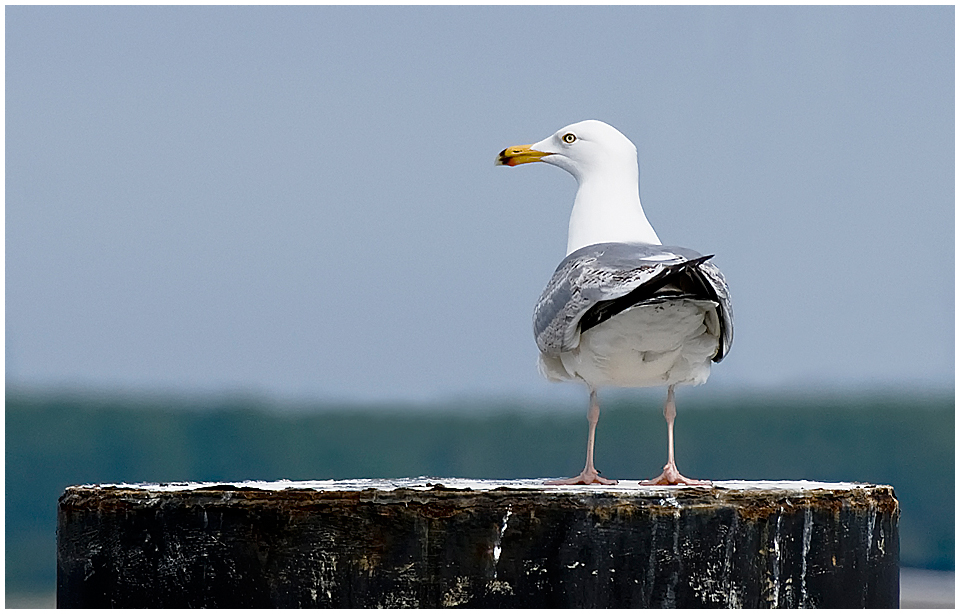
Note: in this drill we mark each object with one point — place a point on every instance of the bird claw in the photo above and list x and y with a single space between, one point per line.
672 477
585 477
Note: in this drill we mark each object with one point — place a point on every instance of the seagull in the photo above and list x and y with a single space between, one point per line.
622 309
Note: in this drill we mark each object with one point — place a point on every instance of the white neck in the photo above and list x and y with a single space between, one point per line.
607 210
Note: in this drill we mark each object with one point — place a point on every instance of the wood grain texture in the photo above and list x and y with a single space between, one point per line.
505 544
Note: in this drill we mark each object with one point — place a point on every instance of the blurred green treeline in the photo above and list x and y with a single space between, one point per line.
55 440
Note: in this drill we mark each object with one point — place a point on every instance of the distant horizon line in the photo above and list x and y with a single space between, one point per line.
554 398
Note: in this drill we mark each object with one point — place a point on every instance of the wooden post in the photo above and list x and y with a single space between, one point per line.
432 542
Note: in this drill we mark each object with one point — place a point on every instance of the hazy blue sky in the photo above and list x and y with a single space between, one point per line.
302 201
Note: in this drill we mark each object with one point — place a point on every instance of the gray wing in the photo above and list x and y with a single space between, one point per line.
608 271
721 291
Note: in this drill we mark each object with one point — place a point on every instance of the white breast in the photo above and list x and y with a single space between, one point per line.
657 344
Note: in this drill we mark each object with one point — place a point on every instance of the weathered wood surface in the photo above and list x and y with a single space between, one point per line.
433 542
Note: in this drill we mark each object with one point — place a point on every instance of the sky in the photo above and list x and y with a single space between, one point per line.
302 202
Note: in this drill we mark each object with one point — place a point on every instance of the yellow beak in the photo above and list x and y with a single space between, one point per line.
519 154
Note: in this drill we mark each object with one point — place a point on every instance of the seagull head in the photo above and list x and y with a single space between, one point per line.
607 206
583 149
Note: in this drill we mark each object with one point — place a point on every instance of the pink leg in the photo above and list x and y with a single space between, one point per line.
670 474
589 475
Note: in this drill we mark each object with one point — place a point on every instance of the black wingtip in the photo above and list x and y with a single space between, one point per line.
695 261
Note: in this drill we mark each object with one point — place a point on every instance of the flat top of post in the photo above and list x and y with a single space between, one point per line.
434 483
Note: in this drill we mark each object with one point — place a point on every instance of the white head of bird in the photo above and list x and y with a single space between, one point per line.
604 162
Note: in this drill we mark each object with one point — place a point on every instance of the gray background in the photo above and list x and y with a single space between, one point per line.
302 202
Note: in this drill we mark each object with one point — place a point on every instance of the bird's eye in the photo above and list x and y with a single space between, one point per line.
569 137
